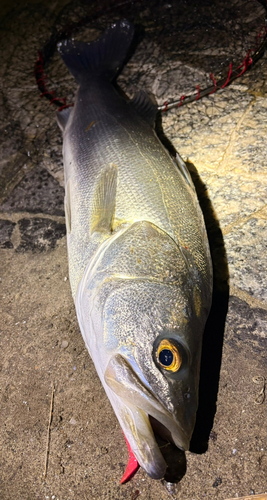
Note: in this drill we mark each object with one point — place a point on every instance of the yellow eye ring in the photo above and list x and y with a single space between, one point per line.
169 356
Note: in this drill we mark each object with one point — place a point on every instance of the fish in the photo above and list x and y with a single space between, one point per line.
139 260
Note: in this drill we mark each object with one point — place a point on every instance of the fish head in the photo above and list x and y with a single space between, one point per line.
154 374
145 339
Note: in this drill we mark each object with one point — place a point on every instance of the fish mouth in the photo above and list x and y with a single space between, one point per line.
148 426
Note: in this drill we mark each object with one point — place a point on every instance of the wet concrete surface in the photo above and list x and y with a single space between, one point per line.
224 137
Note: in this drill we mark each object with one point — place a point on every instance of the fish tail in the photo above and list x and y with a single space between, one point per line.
104 57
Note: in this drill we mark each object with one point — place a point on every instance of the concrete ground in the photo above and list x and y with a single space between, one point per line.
48 381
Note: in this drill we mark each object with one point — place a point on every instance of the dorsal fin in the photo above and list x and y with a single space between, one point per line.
145 106
184 170
104 201
62 118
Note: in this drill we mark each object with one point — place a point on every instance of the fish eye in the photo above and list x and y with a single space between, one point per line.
168 355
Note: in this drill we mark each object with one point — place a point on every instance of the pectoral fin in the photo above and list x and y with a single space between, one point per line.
104 201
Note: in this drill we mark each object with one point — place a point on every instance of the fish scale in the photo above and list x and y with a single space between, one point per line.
139 260
145 190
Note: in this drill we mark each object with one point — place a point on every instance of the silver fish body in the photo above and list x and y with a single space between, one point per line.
139 261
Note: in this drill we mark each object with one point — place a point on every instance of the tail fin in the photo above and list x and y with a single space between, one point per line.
104 57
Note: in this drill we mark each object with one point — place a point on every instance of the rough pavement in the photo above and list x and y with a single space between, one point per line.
224 137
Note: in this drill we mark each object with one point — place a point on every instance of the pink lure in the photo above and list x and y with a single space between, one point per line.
132 466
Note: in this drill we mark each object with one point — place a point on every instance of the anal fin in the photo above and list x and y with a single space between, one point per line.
104 201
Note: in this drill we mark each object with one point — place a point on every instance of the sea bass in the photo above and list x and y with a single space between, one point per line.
139 260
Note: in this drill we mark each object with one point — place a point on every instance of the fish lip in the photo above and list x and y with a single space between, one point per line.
138 411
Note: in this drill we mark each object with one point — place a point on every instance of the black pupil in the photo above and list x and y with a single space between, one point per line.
166 357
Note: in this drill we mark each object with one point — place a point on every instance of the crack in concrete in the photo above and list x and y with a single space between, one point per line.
251 301
16 216
19 173
233 137
242 220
